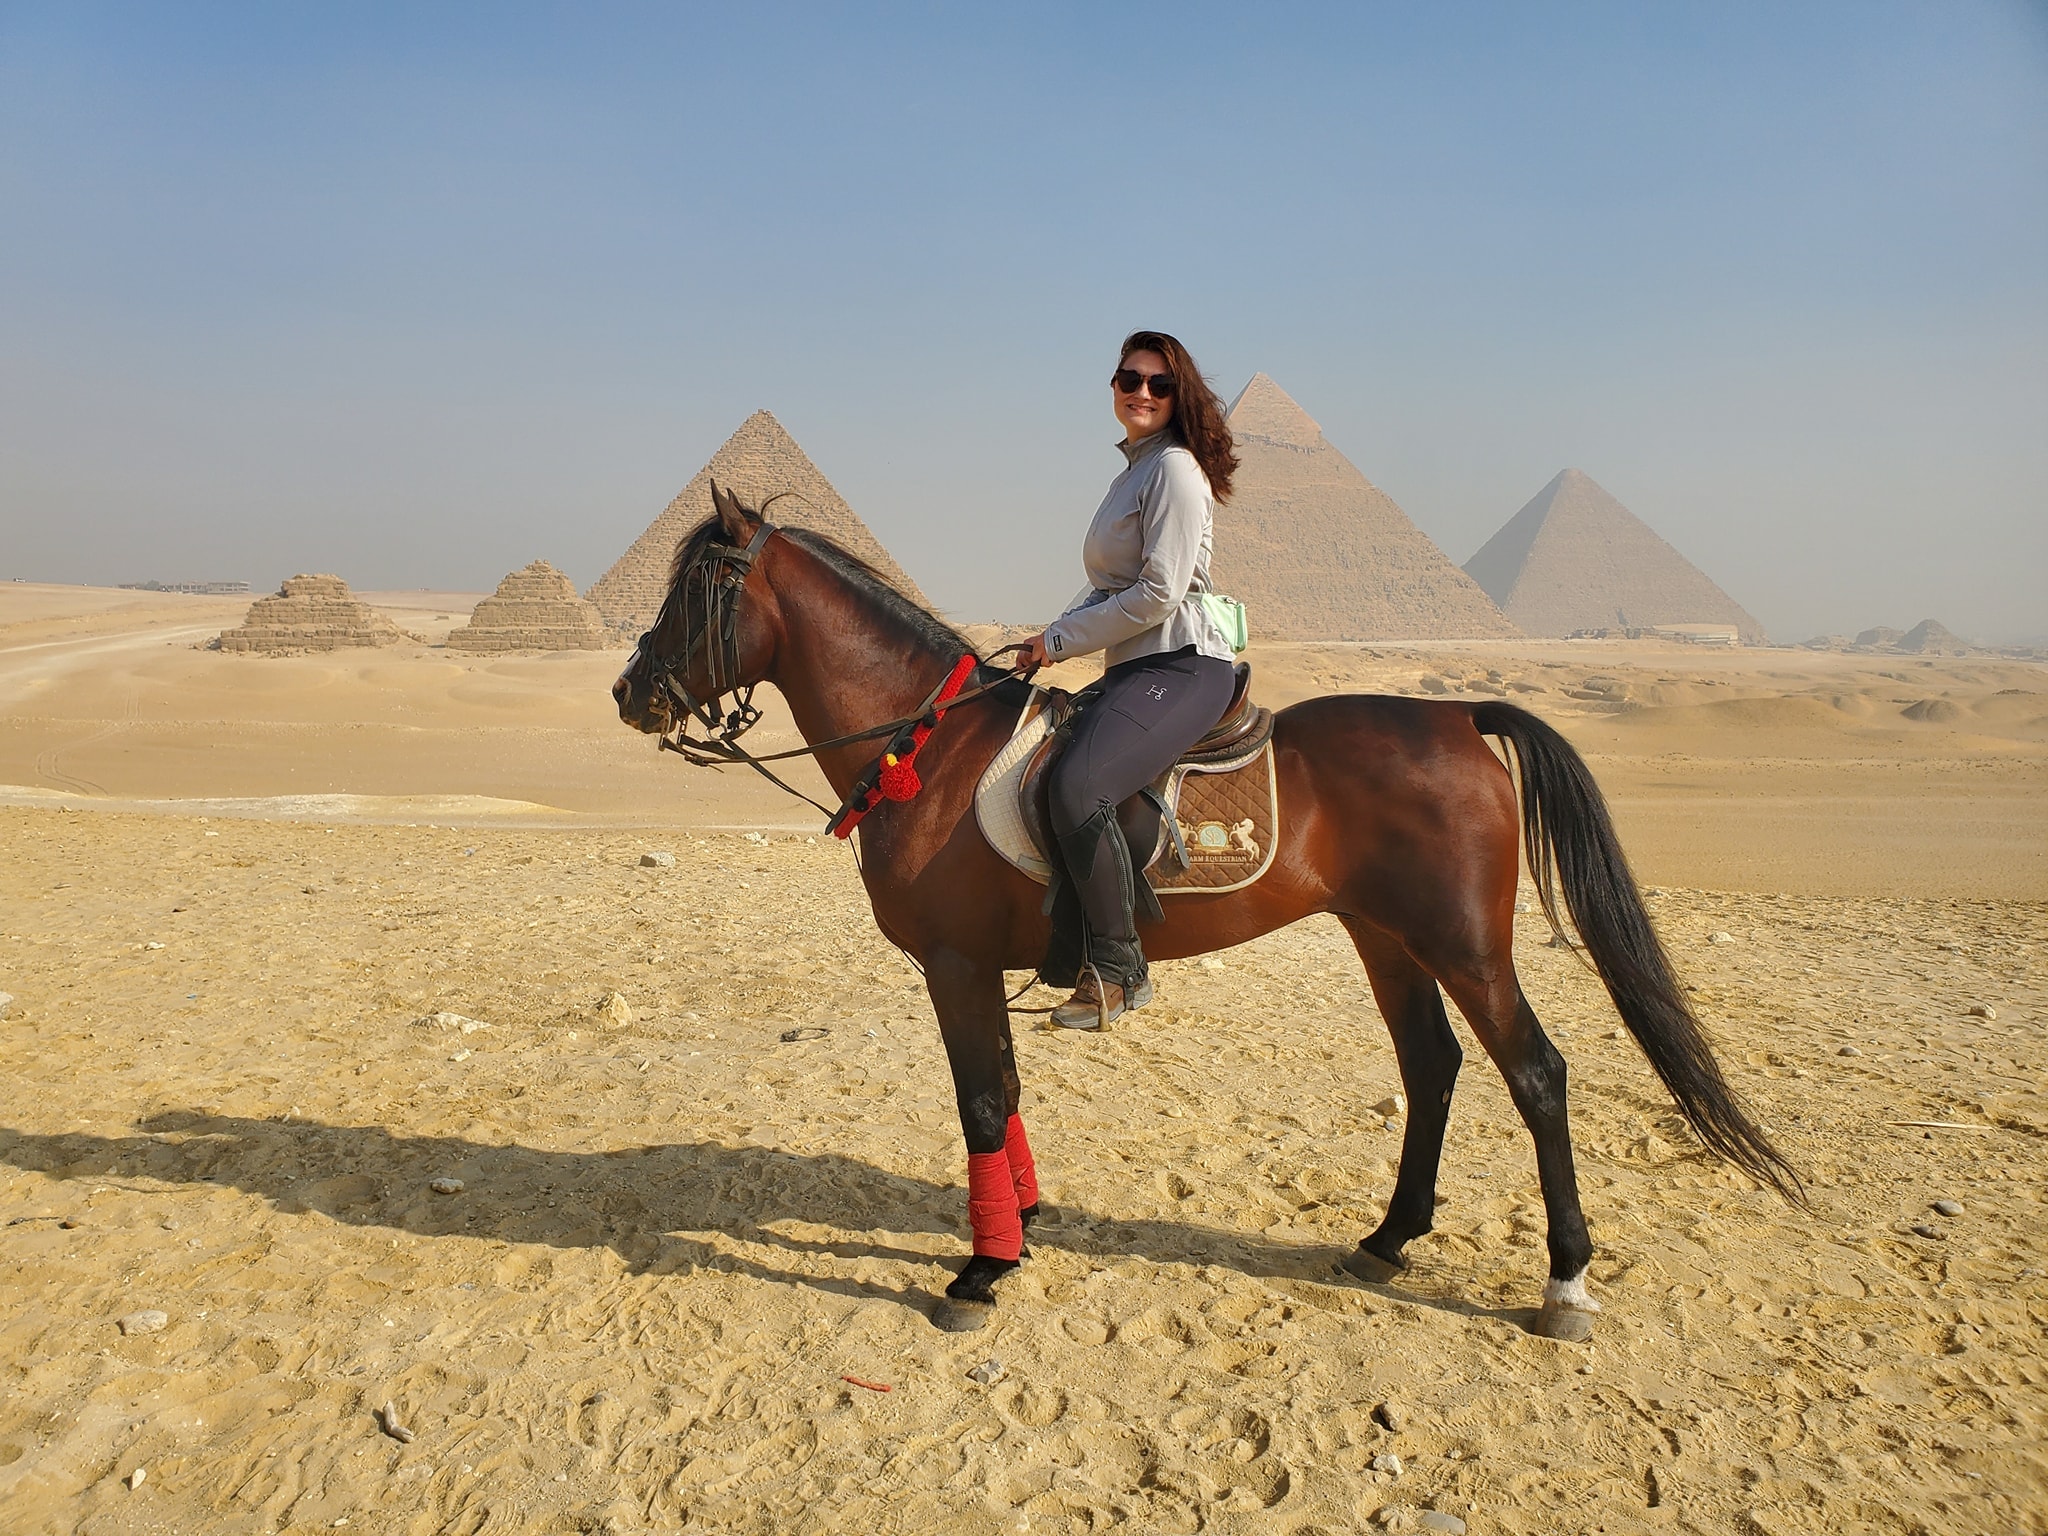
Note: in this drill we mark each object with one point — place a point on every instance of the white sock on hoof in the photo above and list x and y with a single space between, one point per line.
1570 1293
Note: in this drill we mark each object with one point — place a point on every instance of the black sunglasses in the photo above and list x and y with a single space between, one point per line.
1128 381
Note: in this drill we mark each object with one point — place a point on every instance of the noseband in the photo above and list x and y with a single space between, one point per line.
709 591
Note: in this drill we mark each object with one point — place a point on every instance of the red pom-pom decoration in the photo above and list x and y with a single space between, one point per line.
899 778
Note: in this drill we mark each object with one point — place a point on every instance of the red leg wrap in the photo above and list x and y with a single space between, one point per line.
1023 1172
992 1206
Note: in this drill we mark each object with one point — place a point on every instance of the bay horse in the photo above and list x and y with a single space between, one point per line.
1397 819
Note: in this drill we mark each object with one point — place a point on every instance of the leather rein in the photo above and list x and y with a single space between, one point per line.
709 591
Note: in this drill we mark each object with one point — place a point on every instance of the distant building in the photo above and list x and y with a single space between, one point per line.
190 588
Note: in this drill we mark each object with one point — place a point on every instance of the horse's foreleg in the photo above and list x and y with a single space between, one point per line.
1491 999
968 999
1429 1056
1016 1145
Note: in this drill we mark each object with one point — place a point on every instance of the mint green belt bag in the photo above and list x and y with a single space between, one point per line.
1227 613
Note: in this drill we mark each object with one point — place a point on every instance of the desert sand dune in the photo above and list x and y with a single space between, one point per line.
250 1028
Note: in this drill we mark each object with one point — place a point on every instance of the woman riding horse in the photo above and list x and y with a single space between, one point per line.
1170 675
1400 821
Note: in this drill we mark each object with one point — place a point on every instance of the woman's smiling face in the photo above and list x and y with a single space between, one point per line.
1141 412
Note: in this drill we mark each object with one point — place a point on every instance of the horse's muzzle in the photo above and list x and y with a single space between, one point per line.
648 712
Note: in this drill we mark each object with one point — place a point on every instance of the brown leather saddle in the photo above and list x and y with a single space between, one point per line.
1149 826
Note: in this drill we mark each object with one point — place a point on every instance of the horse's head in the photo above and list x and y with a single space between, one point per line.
705 642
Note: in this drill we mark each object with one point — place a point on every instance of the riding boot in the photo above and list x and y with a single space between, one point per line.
1115 977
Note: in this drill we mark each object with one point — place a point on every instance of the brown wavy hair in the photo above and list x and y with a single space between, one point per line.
1198 419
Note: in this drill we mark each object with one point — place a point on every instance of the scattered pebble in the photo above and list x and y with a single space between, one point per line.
388 1416
1440 1520
1720 938
1922 1229
614 1012
1559 941
1398 1517
148 1320
1392 1416
446 1186
1388 1463
1390 1107
446 1020
6 1001
988 1373
1947 1207
1211 963
154 944
138 1477
656 858
1982 1011
1848 1050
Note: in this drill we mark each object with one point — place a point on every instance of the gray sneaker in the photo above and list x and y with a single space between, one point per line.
1090 1008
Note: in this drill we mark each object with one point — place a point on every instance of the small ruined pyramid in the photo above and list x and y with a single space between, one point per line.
535 609
758 461
1575 558
1316 551
1927 638
310 613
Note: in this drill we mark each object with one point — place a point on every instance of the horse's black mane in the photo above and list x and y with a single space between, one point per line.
925 626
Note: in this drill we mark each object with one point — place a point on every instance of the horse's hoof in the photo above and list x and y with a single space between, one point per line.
1568 1325
1363 1264
970 1301
953 1315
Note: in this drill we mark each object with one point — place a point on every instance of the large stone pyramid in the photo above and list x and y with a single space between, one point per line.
310 613
535 609
1575 558
1318 552
757 462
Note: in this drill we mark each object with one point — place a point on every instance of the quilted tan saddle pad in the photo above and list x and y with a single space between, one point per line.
1227 814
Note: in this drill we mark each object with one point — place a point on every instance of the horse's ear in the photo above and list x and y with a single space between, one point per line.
732 517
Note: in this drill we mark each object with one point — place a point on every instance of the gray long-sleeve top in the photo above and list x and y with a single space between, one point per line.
1147 559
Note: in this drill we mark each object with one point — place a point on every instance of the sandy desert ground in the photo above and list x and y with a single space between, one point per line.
290 939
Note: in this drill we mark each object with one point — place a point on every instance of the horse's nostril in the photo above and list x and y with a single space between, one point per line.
619 690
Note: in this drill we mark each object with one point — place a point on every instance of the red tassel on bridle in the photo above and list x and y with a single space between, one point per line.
898 779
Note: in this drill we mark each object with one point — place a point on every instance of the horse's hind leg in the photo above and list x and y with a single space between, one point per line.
1429 1056
1489 995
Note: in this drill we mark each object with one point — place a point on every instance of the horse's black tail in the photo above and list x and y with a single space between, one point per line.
1570 841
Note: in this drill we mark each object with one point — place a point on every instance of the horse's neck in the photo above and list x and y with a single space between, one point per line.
843 667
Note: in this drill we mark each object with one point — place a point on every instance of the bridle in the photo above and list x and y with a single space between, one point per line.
709 591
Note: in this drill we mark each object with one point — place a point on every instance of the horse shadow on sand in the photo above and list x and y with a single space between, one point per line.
678 1206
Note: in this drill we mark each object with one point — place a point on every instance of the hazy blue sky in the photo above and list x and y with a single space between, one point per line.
417 293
